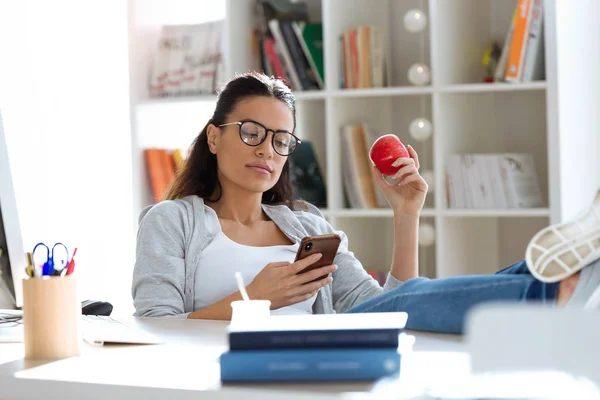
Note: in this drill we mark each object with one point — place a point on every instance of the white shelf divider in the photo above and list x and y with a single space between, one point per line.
492 87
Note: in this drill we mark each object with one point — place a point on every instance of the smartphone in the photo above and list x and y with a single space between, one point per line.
327 245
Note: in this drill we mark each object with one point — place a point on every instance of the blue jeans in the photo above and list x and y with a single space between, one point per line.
440 305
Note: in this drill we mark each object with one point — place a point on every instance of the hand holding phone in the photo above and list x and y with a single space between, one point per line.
285 283
327 245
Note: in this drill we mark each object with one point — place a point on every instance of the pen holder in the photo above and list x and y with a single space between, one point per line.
51 317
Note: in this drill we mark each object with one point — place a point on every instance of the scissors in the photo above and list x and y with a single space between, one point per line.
49 267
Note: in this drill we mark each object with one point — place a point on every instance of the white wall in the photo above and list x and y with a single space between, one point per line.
578 67
64 93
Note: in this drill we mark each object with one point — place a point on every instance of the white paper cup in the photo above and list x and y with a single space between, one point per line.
244 312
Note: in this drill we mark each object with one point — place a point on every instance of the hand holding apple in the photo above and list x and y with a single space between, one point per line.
385 151
391 158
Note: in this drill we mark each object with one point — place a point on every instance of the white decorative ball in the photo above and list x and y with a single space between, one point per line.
426 235
429 178
420 129
418 74
415 20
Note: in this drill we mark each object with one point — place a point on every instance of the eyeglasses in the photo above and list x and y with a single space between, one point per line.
253 133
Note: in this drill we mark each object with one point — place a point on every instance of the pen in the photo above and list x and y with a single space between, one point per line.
30 270
71 265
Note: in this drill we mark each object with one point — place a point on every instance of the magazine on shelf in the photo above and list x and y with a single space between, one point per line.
188 60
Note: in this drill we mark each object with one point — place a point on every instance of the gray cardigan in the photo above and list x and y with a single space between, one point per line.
173 233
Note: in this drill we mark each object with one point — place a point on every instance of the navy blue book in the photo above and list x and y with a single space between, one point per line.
322 365
320 331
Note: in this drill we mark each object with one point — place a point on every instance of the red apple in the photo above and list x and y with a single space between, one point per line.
386 150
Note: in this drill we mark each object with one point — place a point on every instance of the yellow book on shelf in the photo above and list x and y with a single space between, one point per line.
179 159
518 47
364 56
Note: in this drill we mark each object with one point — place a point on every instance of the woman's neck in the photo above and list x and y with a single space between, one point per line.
243 208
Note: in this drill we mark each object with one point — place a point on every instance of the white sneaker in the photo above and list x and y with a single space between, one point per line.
560 250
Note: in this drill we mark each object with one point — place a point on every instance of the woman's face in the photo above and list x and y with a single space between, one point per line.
254 168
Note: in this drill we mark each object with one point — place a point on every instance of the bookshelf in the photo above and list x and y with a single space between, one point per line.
467 115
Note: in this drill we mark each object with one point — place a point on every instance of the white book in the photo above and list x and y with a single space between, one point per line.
468 186
350 171
534 60
503 61
461 191
484 184
521 180
377 56
158 72
498 191
453 186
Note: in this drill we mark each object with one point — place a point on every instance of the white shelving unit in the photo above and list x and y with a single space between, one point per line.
467 116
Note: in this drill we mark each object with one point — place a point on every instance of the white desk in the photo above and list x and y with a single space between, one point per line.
187 367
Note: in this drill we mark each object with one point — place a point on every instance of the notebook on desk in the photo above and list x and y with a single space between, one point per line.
11 327
95 330
99 330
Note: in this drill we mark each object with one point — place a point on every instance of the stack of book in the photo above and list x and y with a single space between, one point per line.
295 348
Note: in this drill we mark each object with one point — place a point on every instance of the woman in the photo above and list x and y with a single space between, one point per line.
230 209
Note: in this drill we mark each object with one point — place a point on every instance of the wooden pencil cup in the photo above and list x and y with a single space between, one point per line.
51 317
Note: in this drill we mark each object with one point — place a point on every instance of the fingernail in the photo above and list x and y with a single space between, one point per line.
316 256
334 267
396 163
329 280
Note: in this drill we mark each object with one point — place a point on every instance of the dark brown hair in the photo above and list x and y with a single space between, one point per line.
199 174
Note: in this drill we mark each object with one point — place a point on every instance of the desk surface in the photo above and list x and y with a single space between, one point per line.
187 366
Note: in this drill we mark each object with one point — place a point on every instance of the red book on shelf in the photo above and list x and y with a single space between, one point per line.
156 172
161 171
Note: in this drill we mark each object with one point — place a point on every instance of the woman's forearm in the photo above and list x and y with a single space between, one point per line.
405 258
221 310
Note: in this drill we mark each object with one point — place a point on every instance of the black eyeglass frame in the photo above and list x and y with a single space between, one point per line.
267 130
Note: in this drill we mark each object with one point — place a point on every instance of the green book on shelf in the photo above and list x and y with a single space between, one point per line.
310 36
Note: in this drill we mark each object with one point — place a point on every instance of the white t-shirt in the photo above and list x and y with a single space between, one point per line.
222 258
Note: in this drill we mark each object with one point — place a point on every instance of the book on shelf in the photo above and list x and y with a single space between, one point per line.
306 176
492 181
522 57
379 276
187 60
360 188
362 57
162 166
288 45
